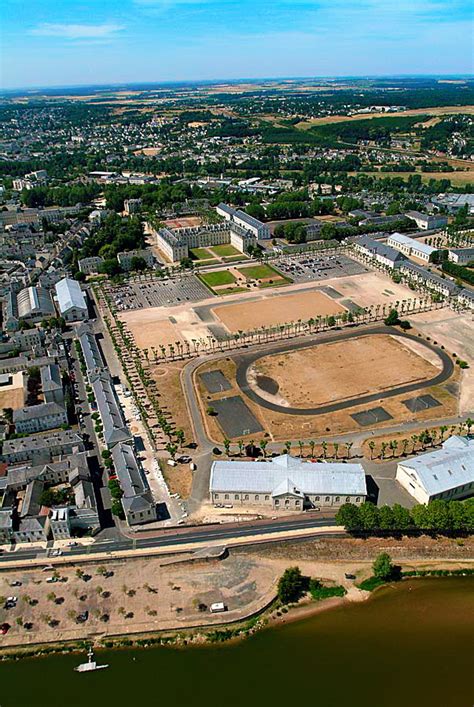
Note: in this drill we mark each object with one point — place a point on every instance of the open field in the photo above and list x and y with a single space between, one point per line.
258 272
225 250
455 331
341 370
438 110
183 221
271 312
201 254
217 278
148 330
456 178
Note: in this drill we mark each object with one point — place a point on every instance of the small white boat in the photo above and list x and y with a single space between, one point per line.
90 665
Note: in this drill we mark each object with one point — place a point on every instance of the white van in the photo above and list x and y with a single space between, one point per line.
217 607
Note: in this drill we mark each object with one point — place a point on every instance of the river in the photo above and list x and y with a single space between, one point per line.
410 645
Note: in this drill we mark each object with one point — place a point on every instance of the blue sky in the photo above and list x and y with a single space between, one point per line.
69 42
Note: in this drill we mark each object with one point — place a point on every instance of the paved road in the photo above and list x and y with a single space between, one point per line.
248 359
228 533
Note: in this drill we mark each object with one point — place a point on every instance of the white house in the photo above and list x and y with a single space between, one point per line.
447 473
71 301
461 256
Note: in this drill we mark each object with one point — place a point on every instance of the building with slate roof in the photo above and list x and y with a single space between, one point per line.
287 483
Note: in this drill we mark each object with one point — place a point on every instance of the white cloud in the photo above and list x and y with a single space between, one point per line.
73 31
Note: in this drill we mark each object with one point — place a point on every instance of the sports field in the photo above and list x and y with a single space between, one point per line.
276 310
345 369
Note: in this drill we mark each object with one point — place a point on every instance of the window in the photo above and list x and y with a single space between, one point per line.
297 503
267 498
236 496
337 499
348 500
327 499
287 502
226 496
257 497
316 498
277 502
358 499
216 495
246 497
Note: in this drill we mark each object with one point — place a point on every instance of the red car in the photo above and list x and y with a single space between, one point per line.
4 628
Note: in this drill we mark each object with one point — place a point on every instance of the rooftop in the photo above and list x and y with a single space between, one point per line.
279 473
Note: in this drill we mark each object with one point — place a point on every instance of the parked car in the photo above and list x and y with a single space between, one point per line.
15 583
4 628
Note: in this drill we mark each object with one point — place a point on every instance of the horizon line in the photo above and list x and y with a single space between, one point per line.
165 82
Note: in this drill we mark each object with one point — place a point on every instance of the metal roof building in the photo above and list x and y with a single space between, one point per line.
34 302
446 473
71 301
287 482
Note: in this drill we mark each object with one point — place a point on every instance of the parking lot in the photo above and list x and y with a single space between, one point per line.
159 293
307 268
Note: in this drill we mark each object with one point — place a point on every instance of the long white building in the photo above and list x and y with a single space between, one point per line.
447 473
410 246
286 483
176 244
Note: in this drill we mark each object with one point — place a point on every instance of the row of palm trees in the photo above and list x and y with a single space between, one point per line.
178 350
425 439
140 382
244 447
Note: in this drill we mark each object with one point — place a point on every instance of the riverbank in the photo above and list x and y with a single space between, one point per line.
268 616
428 623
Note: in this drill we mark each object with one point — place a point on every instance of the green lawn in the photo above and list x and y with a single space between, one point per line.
234 258
232 290
214 279
258 272
223 250
200 254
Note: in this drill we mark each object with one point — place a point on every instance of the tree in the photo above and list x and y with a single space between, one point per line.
369 516
263 447
348 515
371 447
138 263
392 319
226 443
291 585
382 566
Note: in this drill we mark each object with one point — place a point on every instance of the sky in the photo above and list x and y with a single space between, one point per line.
73 42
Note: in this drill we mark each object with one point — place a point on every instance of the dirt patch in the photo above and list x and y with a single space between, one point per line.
344 369
13 395
276 310
149 328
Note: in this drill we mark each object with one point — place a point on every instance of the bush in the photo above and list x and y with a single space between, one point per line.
371 583
382 566
320 592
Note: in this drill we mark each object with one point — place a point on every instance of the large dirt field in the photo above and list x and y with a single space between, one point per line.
341 370
270 311
149 328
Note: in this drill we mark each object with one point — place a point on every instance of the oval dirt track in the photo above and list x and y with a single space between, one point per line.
247 360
